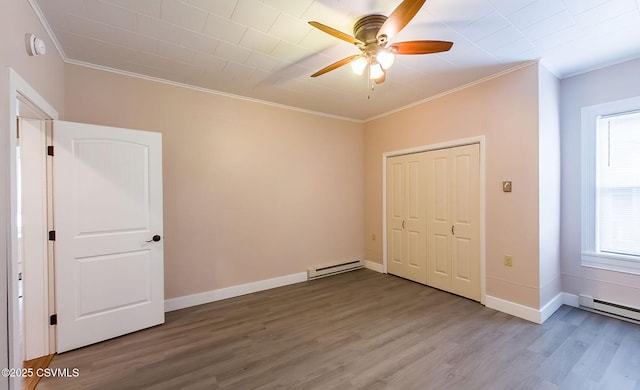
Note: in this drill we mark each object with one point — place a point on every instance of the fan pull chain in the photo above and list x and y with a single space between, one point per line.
372 88
371 85
368 81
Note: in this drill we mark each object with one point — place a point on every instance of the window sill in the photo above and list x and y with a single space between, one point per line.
610 262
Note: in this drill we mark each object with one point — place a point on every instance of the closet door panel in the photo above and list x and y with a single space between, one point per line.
415 227
406 256
438 219
465 214
396 241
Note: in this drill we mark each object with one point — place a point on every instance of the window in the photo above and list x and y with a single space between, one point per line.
611 186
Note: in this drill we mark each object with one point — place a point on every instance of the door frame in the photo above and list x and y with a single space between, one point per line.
425 148
17 88
37 297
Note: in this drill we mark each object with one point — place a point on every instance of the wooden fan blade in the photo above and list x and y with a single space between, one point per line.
400 17
338 34
335 65
420 47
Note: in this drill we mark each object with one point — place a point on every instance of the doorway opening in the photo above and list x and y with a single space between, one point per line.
23 101
34 219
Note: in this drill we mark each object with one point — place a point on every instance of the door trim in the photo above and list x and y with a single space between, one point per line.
36 296
18 88
425 148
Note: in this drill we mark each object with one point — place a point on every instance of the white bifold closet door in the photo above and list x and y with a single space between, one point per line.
453 220
406 224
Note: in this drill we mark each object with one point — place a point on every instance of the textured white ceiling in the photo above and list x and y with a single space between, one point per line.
266 49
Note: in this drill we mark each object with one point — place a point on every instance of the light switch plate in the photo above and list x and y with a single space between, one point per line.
506 186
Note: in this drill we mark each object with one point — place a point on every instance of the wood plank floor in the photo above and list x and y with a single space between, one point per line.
35 365
360 330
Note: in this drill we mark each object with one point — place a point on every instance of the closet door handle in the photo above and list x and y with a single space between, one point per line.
403 224
155 238
453 229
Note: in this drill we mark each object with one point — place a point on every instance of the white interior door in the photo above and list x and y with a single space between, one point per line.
439 219
465 216
453 220
406 226
107 209
396 239
415 226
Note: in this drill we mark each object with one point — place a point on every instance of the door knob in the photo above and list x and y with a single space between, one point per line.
155 238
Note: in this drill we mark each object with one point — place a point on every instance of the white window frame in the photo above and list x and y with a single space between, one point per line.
590 255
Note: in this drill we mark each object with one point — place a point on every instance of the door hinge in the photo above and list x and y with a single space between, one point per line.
50 150
52 235
53 319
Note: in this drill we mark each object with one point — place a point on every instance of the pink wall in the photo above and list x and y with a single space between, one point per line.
600 86
505 110
251 191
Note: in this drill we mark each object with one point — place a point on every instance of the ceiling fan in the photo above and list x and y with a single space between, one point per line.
371 34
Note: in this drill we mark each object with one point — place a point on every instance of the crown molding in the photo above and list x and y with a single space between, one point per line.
48 29
207 90
456 89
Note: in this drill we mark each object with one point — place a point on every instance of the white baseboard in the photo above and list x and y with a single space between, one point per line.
230 292
571 300
526 312
551 307
515 309
373 266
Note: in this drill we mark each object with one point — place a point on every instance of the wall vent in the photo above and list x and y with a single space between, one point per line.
322 271
614 309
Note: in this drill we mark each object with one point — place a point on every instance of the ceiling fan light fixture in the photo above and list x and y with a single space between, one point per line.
372 34
358 65
385 59
375 71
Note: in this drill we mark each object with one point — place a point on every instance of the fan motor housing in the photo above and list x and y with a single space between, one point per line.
367 27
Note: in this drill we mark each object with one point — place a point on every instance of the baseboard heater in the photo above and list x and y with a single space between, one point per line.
614 309
325 270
